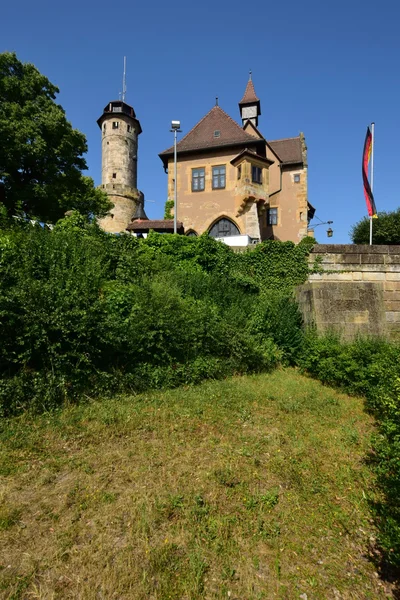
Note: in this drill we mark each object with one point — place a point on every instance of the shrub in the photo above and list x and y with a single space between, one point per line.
372 368
83 312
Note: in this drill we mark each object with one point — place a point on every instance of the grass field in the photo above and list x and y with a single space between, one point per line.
254 487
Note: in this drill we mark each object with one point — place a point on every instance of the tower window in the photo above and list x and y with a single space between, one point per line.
114 176
115 125
129 128
256 174
272 216
198 177
218 177
239 172
296 178
104 126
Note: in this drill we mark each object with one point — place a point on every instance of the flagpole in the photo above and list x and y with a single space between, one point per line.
372 176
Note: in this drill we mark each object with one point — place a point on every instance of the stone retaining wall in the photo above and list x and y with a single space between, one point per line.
357 291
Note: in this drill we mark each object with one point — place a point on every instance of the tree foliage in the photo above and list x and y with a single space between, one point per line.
385 229
41 155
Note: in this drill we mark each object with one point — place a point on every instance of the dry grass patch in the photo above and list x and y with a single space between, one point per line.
250 488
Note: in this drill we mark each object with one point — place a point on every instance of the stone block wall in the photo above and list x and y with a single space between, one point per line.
357 291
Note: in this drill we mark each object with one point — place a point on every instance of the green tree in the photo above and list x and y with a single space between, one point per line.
385 229
41 155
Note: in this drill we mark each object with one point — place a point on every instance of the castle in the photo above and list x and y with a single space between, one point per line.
231 181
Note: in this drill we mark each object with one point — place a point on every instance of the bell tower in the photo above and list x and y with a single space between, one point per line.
119 144
249 105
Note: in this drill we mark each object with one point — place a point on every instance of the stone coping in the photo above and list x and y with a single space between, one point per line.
354 249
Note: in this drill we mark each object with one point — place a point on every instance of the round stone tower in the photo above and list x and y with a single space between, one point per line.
119 130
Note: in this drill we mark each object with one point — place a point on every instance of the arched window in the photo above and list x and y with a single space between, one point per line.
191 233
223 228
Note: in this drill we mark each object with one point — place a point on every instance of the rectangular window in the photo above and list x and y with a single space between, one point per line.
115 124
256 174
218 177
198 176
239 172
297 178
272 216
129 128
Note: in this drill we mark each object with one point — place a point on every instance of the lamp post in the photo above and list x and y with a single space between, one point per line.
175 128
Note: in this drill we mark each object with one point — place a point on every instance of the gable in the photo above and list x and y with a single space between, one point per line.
215 130
251 129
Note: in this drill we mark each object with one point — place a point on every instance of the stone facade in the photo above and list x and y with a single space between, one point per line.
240 200
357 292
273 205
120 130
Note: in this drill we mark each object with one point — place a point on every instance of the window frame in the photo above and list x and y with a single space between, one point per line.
255 168
220 177
272 217
199 178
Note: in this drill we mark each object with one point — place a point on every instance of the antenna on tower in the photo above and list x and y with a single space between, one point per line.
124 81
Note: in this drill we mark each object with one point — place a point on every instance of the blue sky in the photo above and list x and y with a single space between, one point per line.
327 69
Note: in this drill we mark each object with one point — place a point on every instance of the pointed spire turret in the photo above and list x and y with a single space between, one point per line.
249 105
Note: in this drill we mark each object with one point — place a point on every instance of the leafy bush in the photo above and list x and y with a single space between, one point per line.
372 368
83 312
277 316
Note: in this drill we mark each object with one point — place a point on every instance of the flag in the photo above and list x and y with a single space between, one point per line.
369 198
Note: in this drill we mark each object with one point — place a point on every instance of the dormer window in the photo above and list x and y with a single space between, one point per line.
217 133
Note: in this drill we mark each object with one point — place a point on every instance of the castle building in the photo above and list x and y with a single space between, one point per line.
120 130
232 182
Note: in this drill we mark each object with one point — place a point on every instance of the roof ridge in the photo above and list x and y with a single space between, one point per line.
284 139
206 115
200 135
198 123
233 121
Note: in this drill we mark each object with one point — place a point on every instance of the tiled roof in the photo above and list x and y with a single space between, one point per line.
249 94
289 150
247 152
203 135
145 224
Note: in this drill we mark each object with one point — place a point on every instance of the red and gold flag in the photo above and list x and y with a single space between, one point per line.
369 198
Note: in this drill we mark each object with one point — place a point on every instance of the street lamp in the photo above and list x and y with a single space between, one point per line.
175 128
329 231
